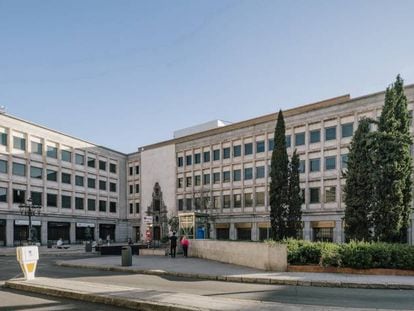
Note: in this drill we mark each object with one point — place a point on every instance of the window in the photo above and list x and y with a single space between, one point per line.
248 200
330 194
3 166
136 188
216 178
79 203
66 201
137 207
36 197
344 161
236 151
112 187
248 173
330 133
92 183
19 196
323 234
3 194
37 148
3 138
66 178
271 143
188 181
248 149
330 163
91 204
314 165
180 204
19 169
137 169
347 129
314 195
180 182
206 179
197 180
52 200
260 172
80 159
102 206
66 156
180 162
79 181
51 152
102 165
102 185
112 207
288 141
226 176
216 201
131 171
226 153
302 166
188 204
112 168
206 156
51 175
19 143
226 201
299 139
91 162
237 200
236 175
260 146
131 189
36 172
131 208
315 136
188 160
260 198
197 158
216 155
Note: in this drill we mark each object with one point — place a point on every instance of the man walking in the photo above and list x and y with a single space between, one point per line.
173 245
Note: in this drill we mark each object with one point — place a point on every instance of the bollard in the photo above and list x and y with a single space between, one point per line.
126 256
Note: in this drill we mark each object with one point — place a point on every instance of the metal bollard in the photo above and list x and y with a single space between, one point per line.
126 256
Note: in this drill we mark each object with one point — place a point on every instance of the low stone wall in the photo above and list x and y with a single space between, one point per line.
251 254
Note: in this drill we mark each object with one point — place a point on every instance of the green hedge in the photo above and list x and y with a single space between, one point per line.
362 255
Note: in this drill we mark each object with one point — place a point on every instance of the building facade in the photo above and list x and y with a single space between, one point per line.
220 171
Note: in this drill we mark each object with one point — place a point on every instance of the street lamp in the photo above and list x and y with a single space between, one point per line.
30 209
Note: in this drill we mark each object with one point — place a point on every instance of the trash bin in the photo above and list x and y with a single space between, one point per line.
88 247
126 256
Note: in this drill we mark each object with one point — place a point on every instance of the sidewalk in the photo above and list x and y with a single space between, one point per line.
44 251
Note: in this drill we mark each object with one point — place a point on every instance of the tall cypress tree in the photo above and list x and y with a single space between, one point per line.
359 186
279 181
294 214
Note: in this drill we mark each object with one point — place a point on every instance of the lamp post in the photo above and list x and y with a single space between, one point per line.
30 209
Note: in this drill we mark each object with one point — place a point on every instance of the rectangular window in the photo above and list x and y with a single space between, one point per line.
91 162
3 166
226 153
236 175
197 180
66 155
92 183
79 204
188 204
180 204
260 146
112 187
102 185
216 155
19 196
136 188
271 144
131 171
248 149
51 175
330 194
197 158
19 143
180 162
344 161
66 201
248 200
347 129
102 206
131 208
3 194
51 199
36 197
137 169
188 181
302 166
206 156
288 141
19 169
91 204
66 178
180 182
299 139
330 163
260 198
237 200
248 173
102 165
36 172
79 181
3 138
206 179
51 152
188 160
80 159
226 176
137 207
314 195
112 168
302 195
236 151
314 165
226 201
330 133
216 178
37 148
315 136
260 172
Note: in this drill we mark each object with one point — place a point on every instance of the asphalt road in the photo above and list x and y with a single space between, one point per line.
316 296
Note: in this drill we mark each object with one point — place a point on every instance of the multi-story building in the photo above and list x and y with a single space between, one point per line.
217 170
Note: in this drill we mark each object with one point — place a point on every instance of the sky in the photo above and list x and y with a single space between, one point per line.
124 74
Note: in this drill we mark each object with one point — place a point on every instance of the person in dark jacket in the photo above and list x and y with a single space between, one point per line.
173 245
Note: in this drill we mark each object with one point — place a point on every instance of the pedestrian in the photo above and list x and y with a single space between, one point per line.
173 245
108 239
185 243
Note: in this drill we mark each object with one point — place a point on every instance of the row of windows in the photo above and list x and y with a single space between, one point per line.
131 208
131 188
52 152
52 200
330 164
131 170
236 151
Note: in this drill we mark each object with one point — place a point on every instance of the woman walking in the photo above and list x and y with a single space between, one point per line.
185 243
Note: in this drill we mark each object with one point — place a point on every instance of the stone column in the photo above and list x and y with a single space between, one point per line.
43 233
72 234
337 234
255 233
307 231
96 232
232 233
213 231
9 232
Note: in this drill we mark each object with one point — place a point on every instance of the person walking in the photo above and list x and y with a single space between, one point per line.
185 243
173 245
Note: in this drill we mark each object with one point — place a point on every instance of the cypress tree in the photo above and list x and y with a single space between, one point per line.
358 187
294 215
278 191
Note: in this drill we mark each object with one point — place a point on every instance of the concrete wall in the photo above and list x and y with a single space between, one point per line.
250 254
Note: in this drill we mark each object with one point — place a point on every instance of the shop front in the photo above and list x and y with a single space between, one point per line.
21 232
223 231
106 230
58 230
244 231
84 232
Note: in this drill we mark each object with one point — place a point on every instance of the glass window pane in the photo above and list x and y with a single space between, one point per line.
3 166
248 149
237 151
299 139
237 175
66 156
260 172
248 173
330 133
315 136
347 130
37 148
314 165
314 195
51 152
260 146
19 143
19 169
36 172
51 175
79 159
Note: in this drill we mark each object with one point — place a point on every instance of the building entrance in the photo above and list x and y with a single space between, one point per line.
58 230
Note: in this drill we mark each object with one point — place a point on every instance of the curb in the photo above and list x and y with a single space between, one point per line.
244 279
136 304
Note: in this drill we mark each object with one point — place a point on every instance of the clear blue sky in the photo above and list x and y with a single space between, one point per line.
125 74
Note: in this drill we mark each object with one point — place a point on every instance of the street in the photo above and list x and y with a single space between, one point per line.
315 296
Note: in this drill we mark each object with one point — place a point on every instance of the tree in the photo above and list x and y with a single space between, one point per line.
279 181
294 214
359 186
